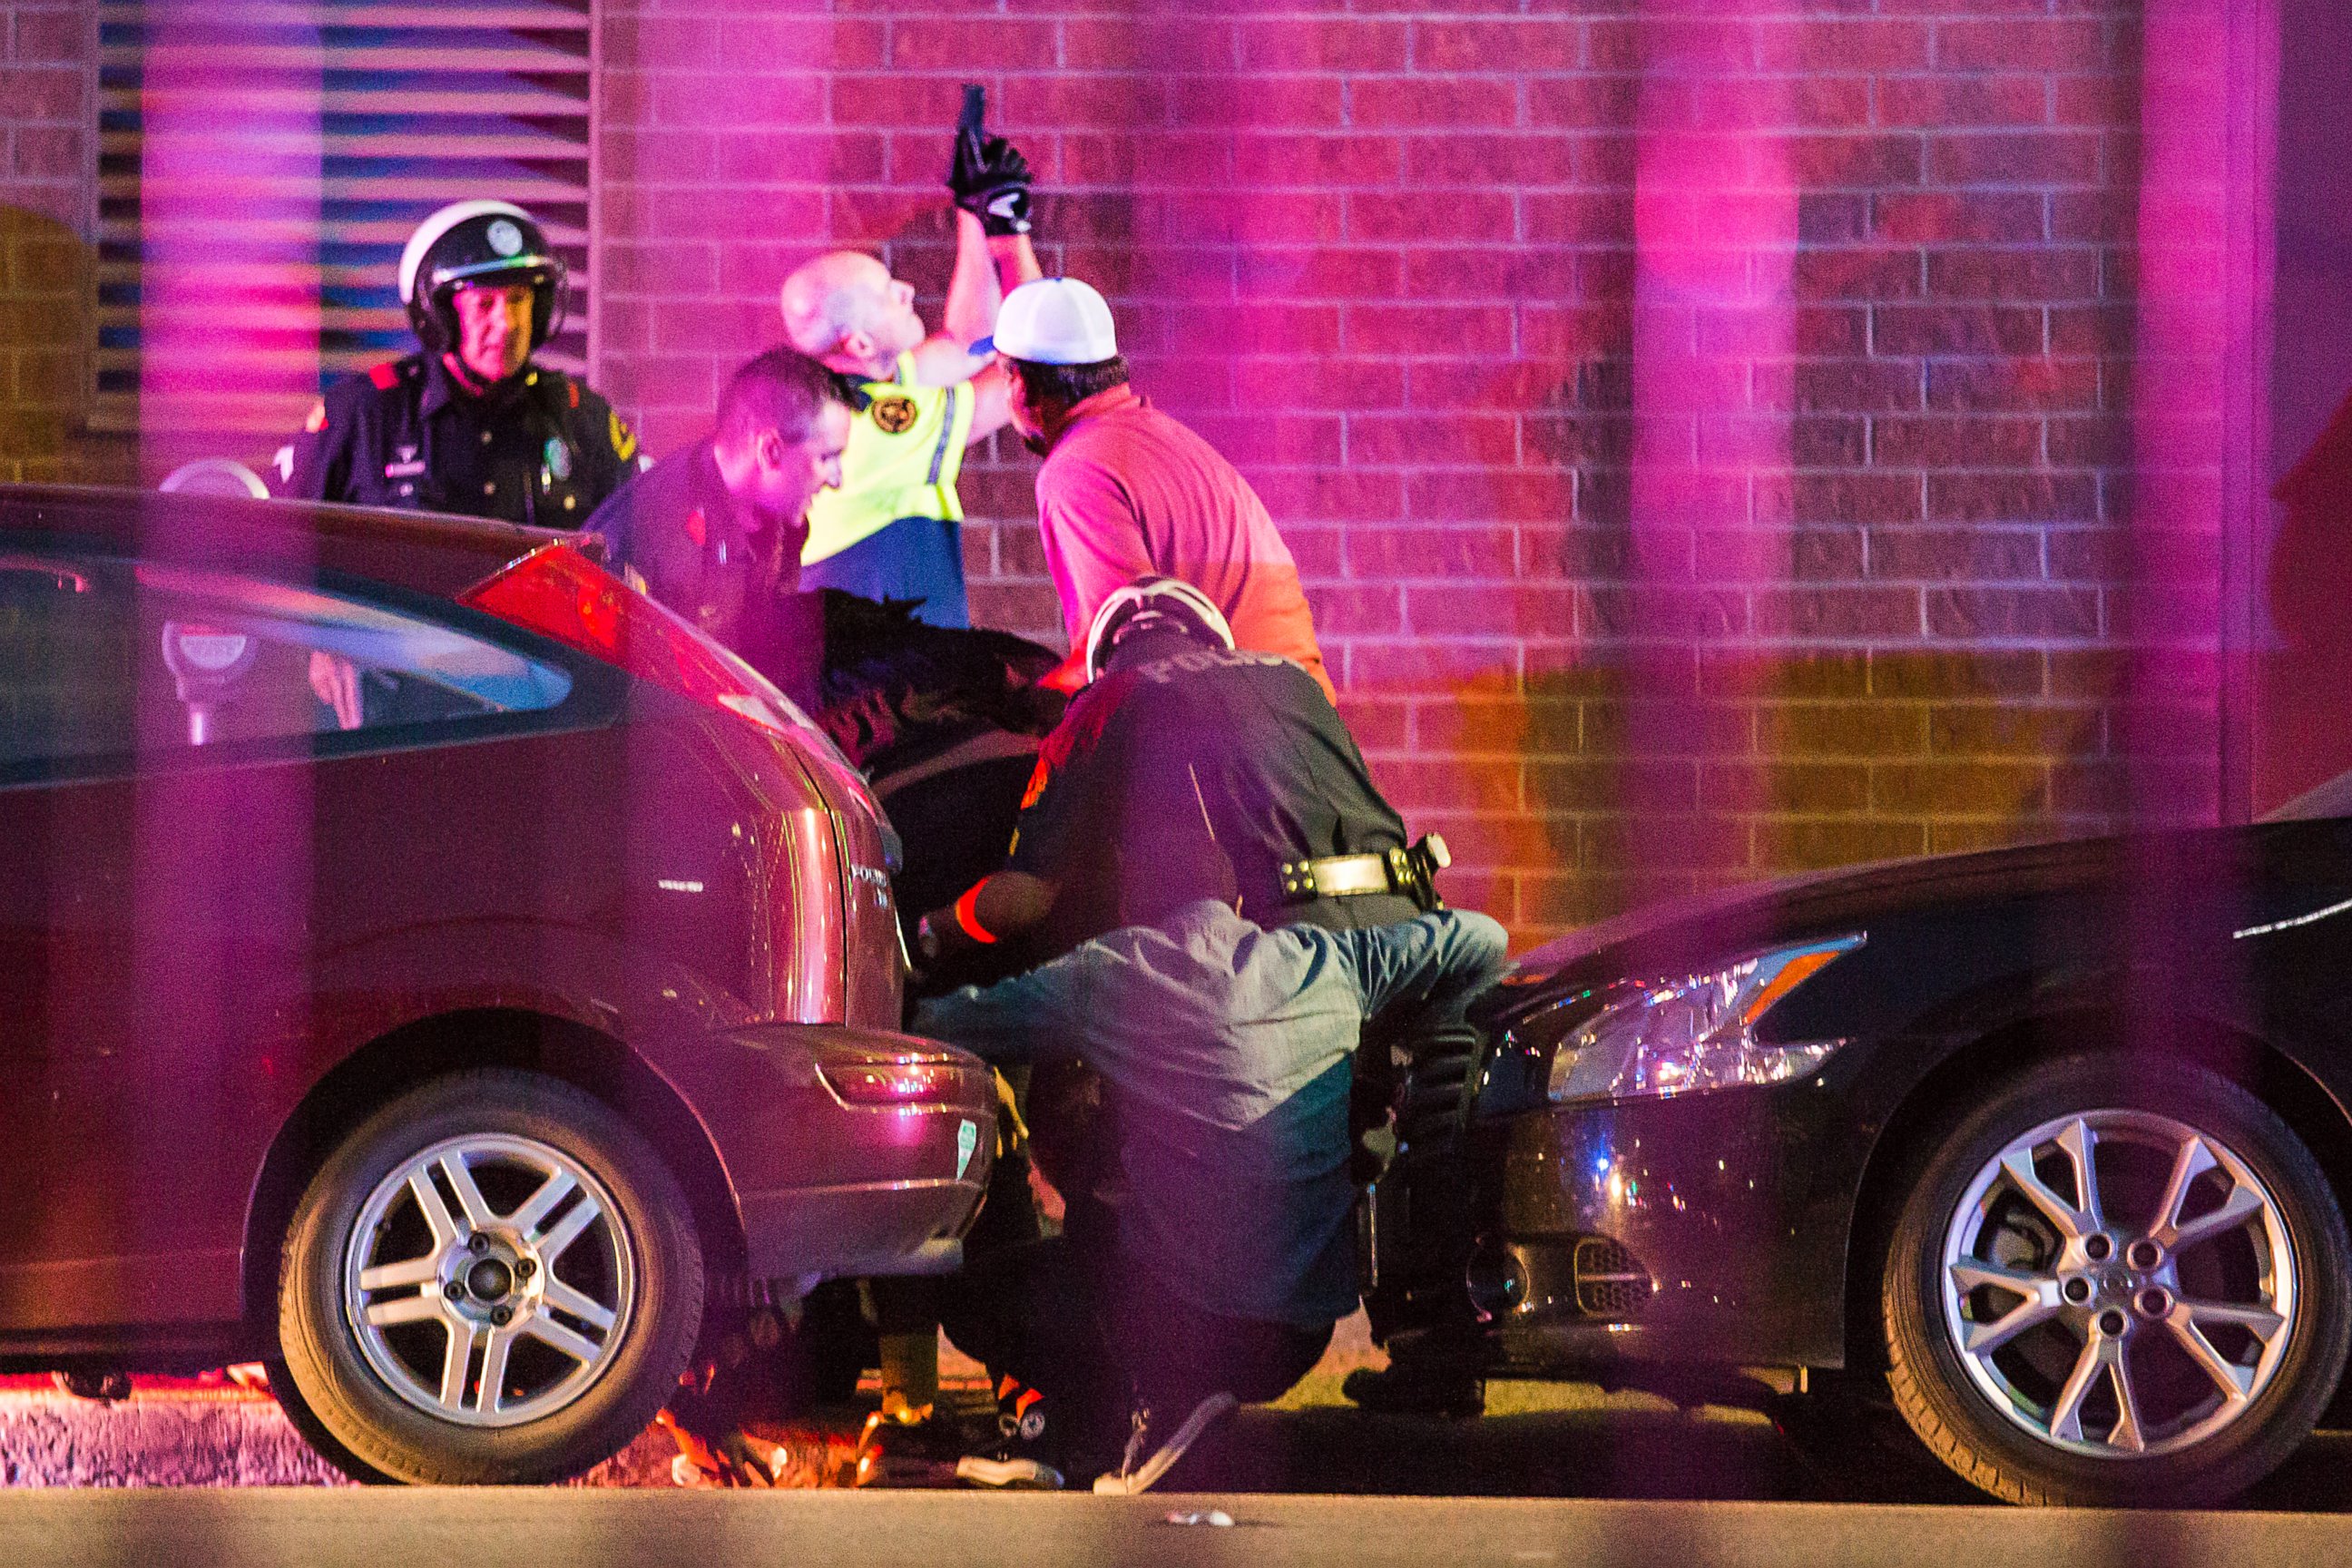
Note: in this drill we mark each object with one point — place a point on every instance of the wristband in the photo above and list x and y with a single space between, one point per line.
967 915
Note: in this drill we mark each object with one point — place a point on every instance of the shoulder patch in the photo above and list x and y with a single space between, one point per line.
1039 776
895 414
318 418
386 375
624 440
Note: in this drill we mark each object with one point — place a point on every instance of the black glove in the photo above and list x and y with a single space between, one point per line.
988 175
989 180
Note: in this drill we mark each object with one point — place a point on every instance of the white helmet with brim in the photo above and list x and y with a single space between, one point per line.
1153 600
475 242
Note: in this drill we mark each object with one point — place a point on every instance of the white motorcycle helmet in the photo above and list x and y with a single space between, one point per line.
1147 601
479 242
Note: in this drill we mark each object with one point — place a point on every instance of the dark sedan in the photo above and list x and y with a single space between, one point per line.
431 967
2052 1139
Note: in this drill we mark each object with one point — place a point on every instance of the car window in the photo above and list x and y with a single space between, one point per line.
102 658
2333 799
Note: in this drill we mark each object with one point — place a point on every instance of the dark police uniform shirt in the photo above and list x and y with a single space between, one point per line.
675 532
1159 758
540 448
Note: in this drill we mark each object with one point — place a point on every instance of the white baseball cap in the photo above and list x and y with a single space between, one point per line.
1053 321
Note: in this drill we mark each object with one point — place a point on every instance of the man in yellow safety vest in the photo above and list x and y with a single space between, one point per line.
891 530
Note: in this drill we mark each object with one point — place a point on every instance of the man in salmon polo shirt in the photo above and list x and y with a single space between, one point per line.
1127 491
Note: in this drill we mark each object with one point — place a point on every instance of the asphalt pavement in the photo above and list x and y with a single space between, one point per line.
593 1528
1552 1476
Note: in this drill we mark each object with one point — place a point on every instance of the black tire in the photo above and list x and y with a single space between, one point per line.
1853 1445
311 1430
592 1404
2134 1106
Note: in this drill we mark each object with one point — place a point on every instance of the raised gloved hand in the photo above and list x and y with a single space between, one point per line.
988 175
989 180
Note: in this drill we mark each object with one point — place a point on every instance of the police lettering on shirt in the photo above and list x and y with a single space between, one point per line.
541 448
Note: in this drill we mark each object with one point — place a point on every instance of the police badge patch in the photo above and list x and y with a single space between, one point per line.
895 414
558 459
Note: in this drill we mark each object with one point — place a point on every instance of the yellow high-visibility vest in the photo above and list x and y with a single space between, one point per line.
904 454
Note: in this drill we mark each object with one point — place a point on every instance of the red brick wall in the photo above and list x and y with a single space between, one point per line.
49 173
47 118
1719 436
1706 429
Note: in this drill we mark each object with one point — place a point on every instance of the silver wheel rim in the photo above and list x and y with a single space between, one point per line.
2119 1284
488 1280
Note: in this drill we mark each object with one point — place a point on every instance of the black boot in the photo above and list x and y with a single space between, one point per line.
1417 1388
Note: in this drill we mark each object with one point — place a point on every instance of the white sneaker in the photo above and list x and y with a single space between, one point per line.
1009 1472
1134 1479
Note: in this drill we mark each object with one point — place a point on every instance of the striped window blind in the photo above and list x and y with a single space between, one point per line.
262 163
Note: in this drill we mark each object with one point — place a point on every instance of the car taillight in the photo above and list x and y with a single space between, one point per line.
559 593
920 1080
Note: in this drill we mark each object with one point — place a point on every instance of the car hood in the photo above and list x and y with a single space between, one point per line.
1708 928
1738 901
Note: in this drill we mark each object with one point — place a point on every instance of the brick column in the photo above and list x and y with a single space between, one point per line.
48 173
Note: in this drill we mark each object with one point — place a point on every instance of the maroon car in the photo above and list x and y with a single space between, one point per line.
431 967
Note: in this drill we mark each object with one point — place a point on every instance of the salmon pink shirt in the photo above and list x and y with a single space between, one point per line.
1127 491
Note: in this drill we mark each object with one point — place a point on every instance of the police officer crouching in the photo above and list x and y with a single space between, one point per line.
469 424
1240 908
1242 743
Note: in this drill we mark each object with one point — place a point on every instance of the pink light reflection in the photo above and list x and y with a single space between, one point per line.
1715 231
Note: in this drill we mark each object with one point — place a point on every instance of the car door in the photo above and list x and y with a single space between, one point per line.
65 869
161 730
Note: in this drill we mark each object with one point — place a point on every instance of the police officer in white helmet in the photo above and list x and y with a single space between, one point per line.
469 424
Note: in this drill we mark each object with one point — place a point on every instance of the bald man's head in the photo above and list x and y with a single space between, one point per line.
844 309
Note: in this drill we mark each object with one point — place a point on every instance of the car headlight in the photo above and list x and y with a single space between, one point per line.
1681 1036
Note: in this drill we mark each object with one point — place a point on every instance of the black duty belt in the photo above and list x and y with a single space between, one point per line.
1408 872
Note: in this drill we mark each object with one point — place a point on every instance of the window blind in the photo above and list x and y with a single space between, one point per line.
261 164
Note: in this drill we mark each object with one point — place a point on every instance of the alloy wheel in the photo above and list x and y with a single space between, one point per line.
2120 1284
488 1280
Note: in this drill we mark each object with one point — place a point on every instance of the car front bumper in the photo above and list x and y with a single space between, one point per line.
1704 1229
